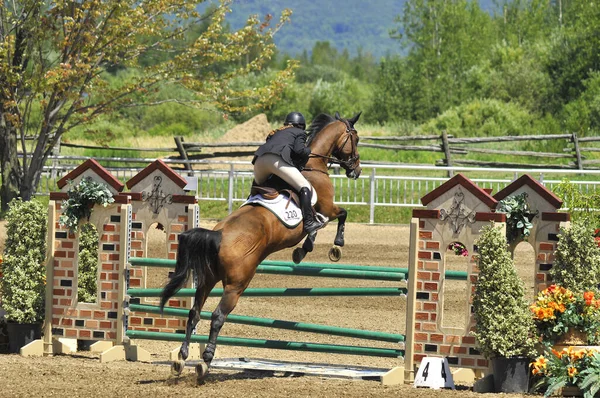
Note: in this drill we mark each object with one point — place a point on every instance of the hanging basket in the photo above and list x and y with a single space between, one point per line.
573 337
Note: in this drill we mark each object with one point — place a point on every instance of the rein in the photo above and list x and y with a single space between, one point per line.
346 164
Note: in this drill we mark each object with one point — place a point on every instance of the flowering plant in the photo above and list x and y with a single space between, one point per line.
569 367
597 236
458 248
557 309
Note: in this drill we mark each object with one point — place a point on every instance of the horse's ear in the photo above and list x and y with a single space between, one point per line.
337 116
355 118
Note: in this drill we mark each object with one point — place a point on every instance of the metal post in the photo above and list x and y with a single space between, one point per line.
372 197
55 152
230 194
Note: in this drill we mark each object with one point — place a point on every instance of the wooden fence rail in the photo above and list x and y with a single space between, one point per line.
455 150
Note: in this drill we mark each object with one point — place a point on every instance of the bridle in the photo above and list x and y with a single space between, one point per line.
349 164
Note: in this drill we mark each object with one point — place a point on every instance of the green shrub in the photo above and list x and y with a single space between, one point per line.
482 118
577 258
312 73
347 97
582 205
87 274
295 97
518 217
504 325
24 281
82 198
157 120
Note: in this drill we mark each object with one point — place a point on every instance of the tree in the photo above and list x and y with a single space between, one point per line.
54 53
444 40
575 50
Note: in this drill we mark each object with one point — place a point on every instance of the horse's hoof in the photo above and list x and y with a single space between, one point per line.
201 371
335 253
177 367
298 255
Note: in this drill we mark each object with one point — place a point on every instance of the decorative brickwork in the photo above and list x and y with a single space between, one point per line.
546 225
122 232
87 321
158 199
463 210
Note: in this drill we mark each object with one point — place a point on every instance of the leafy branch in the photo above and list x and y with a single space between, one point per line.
82 198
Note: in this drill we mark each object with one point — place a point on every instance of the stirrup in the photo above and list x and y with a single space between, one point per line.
314 227
320 220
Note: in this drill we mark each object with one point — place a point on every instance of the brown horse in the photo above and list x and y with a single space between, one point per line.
231 252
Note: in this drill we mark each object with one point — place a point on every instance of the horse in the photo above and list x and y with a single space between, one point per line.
235 247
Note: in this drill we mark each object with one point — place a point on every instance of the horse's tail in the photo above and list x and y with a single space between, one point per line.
199 250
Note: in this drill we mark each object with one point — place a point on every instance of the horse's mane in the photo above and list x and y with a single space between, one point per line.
318 124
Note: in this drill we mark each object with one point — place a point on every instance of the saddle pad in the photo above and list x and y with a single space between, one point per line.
285 209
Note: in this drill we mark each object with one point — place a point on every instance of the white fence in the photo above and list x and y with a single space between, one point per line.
378 186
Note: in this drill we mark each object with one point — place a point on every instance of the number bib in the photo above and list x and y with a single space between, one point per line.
285 209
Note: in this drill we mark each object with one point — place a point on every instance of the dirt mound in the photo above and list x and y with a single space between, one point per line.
255 129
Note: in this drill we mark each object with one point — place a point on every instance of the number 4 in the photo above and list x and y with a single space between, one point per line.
426 372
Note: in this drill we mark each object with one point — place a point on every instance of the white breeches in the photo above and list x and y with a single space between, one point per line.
270 163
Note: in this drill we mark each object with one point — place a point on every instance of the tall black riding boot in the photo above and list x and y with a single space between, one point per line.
311 223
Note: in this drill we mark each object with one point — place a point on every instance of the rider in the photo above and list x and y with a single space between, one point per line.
284 154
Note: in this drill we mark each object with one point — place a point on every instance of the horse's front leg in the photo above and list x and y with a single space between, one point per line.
335 253
339 236
307 247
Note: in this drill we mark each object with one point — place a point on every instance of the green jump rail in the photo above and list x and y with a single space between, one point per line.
284 292
288 267
278 324
273 344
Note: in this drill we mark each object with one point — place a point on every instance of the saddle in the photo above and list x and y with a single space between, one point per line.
272 188
277 196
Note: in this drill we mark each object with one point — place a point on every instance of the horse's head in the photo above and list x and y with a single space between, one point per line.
346 147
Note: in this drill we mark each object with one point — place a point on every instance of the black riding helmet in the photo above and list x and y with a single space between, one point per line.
296 119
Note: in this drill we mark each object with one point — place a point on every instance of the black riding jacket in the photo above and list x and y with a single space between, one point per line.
289 143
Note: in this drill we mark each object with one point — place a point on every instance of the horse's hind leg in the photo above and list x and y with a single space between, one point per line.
231 295
193 319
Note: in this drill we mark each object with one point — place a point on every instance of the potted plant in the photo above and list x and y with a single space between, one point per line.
518 216
576 263
82 198
504 327
566 318
574 372
23 272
